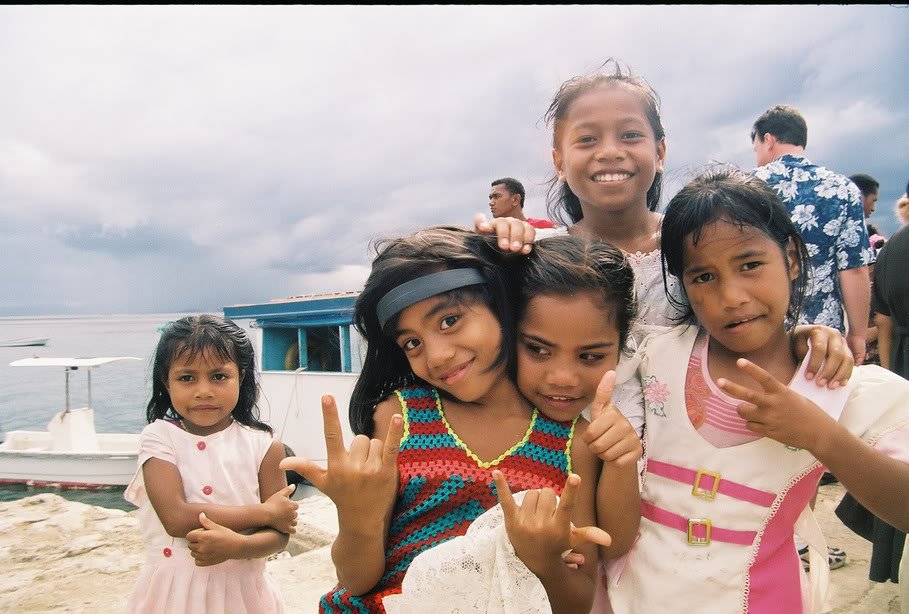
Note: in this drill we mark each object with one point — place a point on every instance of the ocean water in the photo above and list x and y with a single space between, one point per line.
30 396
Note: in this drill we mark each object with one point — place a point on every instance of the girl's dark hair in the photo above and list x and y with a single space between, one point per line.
744 201
191 336
560 200
431 250
566 265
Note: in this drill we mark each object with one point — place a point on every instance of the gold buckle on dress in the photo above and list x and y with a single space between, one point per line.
697 491
698 541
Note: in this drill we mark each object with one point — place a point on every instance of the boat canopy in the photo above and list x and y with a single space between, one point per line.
309 332
71 363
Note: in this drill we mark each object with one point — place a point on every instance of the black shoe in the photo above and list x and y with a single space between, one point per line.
827 478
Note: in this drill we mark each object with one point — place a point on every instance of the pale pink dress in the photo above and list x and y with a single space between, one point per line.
222 469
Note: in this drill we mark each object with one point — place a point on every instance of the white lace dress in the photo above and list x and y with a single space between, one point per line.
475 573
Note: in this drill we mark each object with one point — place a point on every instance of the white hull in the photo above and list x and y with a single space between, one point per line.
291 403
26 458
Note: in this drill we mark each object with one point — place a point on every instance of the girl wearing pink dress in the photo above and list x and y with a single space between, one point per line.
213 503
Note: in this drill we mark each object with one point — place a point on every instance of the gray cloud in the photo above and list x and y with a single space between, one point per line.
163 158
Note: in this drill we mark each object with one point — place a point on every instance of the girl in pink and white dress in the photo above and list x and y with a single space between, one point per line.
213 503
736 438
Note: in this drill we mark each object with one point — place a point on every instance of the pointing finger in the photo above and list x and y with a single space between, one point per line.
568 499
767 381
334 437
506 499
736 390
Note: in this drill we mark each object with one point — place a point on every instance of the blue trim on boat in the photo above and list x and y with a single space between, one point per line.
337 308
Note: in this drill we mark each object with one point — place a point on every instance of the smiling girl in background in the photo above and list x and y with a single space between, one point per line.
608 151
208 469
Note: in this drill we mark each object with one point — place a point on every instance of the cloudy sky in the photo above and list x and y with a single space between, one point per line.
185 158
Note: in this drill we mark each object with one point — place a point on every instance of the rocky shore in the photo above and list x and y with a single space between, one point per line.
62 556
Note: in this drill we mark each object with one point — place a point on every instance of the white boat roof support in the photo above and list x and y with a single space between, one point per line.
70 364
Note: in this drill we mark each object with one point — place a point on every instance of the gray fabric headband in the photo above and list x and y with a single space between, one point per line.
413 291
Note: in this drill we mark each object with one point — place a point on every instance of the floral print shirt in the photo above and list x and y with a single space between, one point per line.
826 207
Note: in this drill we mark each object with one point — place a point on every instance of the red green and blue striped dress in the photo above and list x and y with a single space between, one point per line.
444 487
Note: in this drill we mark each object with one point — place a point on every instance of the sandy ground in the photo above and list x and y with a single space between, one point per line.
62 556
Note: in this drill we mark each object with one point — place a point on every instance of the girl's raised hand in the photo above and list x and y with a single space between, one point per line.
514 235
540 528
609 434
282 510
778 412
828 347
358 480
212 544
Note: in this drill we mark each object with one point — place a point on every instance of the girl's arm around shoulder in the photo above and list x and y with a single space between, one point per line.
165 492
586 465
616 491
611 437
571 590
364 489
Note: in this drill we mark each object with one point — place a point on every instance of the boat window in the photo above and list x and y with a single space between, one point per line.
281 349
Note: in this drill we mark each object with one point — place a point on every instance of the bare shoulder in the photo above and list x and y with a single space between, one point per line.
276 448
387 407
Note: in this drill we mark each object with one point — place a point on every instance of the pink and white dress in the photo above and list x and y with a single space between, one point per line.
222 469
717 523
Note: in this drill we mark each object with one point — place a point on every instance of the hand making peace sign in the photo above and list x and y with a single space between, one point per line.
777 411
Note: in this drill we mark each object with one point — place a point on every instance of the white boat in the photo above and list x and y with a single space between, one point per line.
314 331
24 341
69 454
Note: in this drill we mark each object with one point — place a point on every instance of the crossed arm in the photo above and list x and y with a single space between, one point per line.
214 530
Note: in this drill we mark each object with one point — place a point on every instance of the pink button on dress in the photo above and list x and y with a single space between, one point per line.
226 474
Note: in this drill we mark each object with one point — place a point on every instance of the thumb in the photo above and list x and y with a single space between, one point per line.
480 224
604 395
313 472
584 535
207 523
288 490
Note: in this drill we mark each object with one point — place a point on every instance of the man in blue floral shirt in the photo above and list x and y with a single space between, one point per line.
827 209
